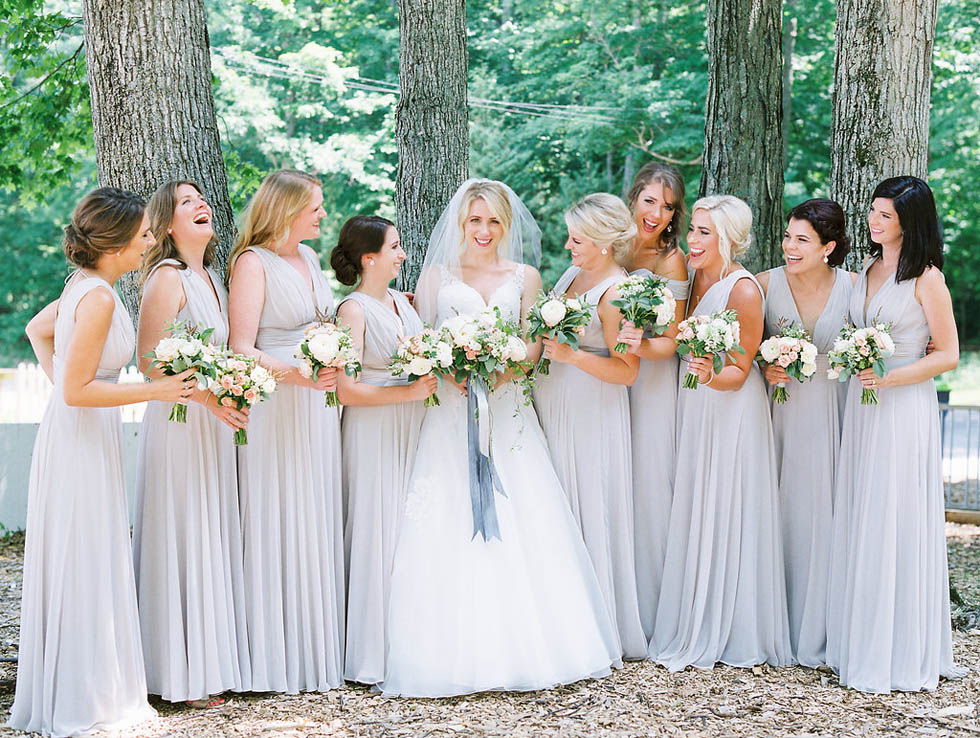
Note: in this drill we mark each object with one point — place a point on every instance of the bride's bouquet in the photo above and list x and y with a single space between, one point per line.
484 344
187 347
418 355
856 349
327 345
557 316
792 349
701 335
243 382
647 302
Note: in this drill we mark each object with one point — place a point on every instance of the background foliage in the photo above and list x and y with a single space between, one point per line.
567 97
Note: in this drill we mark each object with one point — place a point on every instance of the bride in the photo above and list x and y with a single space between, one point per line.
469 613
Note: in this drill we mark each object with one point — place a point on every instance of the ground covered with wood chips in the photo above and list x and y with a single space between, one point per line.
640 700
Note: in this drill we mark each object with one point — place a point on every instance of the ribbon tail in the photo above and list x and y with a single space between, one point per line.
483 475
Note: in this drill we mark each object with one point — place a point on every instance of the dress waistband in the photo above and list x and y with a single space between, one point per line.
279 338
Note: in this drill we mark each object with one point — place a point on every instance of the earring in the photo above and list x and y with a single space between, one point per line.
605 251
371 262
170 230
825 259
670 228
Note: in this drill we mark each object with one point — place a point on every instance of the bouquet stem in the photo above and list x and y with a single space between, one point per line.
241 437
869 396
691 381
779 394
332 400
620 348
431 401
178 413
543 367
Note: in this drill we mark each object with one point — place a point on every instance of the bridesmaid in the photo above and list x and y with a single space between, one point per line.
289 473
723 596
380 432
187 546
584 408
80 666
888 618
657 201
812 291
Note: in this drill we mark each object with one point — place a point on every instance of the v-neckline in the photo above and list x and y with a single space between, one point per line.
868 299
600 283
823 308
307 282
493 292
210 284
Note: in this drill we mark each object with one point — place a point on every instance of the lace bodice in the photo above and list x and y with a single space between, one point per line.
458 298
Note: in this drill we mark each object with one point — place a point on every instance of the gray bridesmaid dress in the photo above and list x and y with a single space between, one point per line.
289 481
587 424
723 596
187 541
806 429
379 444
653 415
888 622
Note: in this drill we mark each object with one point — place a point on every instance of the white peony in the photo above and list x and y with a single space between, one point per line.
574 304
444 354
305 370
191 347
419 366
167 349
324 346
515 349
769 350
552 312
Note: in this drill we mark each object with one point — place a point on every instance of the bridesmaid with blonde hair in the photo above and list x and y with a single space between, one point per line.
380 431
187 546
584 408
657 202
289 473
723 596
80 663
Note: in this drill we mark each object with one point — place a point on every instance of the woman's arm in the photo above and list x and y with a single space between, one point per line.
657 348
40 332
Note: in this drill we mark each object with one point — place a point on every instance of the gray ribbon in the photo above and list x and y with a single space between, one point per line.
483 474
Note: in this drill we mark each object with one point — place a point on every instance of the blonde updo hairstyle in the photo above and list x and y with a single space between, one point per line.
732 219
267 218
495 196
161 209
104 221
605 220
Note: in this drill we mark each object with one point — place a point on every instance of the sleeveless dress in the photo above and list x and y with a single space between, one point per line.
521 612
806 429
80 663
653 417
290 496
888 622
723 596
587 424
187 540
379 444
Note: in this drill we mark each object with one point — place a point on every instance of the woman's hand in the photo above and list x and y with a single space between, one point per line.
630 335
325 380
423 387
870 380
560 352
775 374
461 386
175 388
226 412
703 367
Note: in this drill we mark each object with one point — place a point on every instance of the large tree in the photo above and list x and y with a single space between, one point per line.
149 72
431 121
743 134
882 79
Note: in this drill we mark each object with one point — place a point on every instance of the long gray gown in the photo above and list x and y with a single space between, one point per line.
289 481
888 622
587 424
723 596
379 445
187 539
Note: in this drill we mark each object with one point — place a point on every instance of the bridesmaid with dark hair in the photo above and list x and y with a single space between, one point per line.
811 291
379 432
888 624
80 663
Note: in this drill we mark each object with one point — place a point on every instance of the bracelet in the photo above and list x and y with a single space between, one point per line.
711 378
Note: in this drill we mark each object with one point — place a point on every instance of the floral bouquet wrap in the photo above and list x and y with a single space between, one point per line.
557 316
418 355
240 381
647 302
187 347
792 349
701 335
856 349
327 345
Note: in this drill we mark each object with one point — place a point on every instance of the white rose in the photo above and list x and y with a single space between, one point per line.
769 351
574 304
808 369
444 354
488 318
167 349
515 349
305 370
324 347
269 386
809 353
833 373
552 312
191 348
889 348
419 366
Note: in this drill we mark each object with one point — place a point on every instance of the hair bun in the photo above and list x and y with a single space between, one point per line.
343 267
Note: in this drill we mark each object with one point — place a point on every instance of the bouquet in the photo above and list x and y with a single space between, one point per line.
186 347
861 348
416 356
557 316
482 345
240 380
701 335
327 345
792 349
647 302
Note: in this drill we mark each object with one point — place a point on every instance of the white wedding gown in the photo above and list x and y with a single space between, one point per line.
522 612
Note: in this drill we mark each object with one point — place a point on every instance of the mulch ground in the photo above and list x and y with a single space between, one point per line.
640 700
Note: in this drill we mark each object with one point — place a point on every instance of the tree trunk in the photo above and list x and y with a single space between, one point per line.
882 81
149 72
789 47
743 146
431 120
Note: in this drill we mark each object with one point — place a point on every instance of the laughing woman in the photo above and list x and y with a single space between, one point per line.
187 545
380 432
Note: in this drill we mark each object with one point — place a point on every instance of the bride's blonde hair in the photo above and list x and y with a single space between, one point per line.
495 196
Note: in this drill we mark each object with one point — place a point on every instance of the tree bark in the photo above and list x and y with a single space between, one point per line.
431 120
743 135
789 48
149 72
882 84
